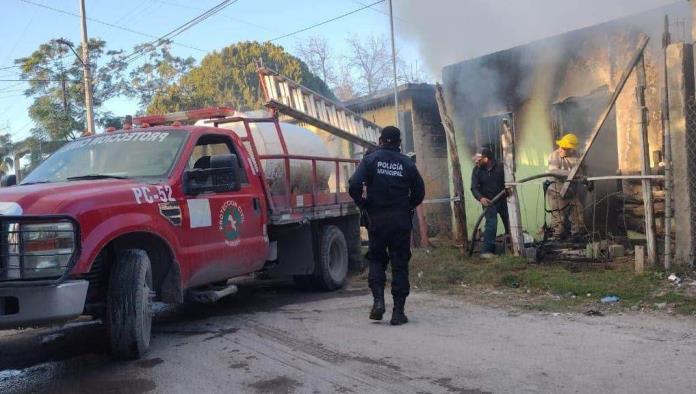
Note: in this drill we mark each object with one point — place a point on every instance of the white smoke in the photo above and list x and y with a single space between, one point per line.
449 31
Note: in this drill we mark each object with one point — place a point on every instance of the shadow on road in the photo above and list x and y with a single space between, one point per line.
25 349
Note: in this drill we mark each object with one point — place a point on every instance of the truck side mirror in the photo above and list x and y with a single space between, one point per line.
8 180
222 176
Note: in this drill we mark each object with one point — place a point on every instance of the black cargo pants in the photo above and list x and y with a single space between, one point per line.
390 241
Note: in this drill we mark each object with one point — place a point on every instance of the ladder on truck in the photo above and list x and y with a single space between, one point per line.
289 98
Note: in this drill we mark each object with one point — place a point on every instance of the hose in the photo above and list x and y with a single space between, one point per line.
500 195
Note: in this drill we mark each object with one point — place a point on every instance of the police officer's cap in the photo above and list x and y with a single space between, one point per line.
486 152
390 134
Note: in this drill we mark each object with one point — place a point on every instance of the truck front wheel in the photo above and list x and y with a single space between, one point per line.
129 304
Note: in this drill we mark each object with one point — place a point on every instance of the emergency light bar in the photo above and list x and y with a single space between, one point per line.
182 116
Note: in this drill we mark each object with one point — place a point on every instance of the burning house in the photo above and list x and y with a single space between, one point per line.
563 84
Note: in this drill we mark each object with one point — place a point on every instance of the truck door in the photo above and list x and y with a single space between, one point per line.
224 231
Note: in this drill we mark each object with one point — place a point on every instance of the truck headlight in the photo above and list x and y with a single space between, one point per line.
46 249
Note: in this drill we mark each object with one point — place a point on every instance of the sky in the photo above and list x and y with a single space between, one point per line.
430 32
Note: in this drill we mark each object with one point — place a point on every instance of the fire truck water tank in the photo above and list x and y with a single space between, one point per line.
299 141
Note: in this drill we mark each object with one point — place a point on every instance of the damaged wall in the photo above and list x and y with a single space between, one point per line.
562 84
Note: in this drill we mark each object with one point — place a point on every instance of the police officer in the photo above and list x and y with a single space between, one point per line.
394 190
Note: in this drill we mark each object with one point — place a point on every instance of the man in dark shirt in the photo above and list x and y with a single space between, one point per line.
487 180
394 190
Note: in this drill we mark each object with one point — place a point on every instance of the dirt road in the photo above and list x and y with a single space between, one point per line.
279 340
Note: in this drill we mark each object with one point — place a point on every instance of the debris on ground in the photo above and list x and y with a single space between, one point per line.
610 299
593 312
674 279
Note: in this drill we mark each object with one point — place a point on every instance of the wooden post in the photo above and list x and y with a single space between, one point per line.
640 259
458 206
422 228
513 202
645 164
637 55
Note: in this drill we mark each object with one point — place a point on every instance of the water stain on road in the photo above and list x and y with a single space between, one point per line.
278 385
447 384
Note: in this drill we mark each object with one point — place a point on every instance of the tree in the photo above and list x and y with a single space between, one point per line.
55 80
161 70
6 161
410 73
228 77
344 88
371 58
315 51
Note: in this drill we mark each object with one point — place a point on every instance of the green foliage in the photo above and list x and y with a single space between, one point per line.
228 77
56 85
6 162
161 70
551 287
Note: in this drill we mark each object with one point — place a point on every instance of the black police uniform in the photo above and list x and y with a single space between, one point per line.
394 189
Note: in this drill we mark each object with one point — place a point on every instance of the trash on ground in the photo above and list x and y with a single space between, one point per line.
674 279
610 299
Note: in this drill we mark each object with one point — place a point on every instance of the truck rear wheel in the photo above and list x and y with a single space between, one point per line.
129 304
332 263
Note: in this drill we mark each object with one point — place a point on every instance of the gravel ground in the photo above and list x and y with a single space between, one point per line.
274 339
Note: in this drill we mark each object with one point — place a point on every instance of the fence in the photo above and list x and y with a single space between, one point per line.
690 181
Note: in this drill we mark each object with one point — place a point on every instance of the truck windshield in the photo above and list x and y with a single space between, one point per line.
137 154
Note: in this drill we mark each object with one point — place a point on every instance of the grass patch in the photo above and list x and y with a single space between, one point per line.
443 269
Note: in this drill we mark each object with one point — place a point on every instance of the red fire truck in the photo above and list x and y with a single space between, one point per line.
166 212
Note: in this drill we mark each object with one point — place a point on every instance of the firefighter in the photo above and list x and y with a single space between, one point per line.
487 181
394 189
568 208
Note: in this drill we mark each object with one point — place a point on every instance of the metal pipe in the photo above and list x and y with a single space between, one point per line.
625 177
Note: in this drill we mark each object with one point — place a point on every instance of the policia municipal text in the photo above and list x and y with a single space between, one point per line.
394 190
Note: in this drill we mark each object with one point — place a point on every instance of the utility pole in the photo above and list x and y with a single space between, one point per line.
65 93
666 40
85 67
396 86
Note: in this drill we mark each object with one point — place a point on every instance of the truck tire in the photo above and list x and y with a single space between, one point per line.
332 263
129 304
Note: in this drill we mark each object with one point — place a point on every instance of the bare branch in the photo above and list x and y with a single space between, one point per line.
315 51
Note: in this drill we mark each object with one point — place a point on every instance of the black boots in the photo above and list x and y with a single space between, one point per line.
398 315
378 307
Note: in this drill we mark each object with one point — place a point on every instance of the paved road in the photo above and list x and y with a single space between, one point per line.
278 340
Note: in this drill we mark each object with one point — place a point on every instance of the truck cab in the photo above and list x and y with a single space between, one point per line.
112 222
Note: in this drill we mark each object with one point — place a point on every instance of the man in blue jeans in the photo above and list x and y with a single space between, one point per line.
487 180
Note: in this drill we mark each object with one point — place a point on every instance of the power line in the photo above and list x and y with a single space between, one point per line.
107 24
326 21
139 52
177 31
379 11
39 80
246 22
